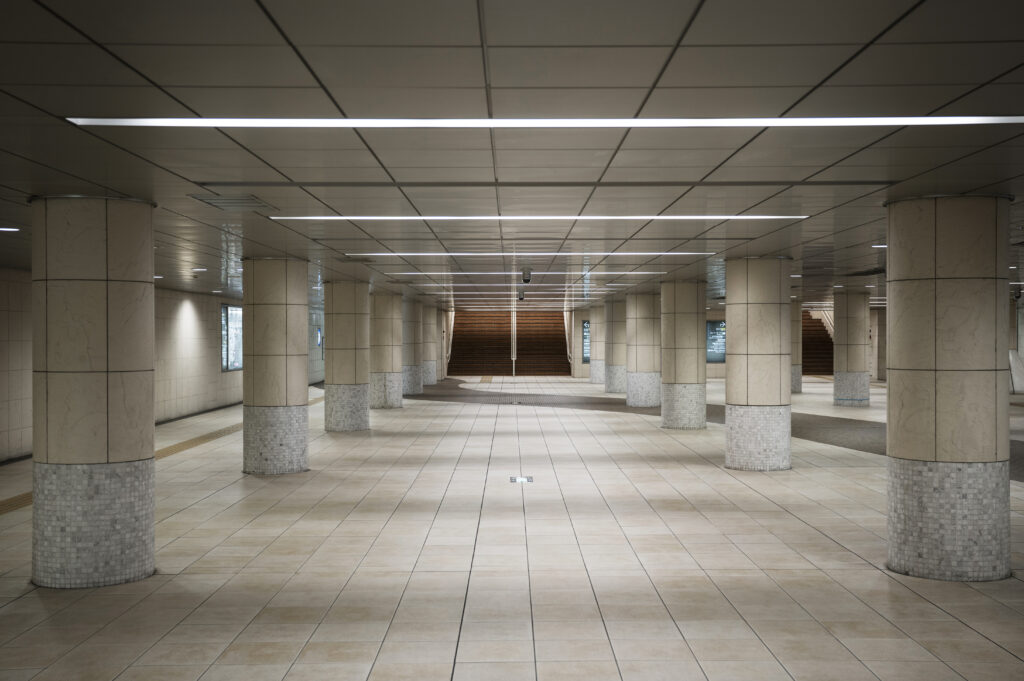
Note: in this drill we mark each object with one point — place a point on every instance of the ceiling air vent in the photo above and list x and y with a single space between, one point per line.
237 203
348 259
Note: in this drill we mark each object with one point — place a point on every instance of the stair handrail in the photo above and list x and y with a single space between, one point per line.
827 320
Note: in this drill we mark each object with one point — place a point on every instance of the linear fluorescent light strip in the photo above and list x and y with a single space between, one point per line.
493 123
527 218
518 272
443 254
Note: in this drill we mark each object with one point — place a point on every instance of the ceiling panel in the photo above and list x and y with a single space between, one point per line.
594 67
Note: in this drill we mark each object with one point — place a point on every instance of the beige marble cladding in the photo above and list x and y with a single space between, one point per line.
347 337
757 337
683 332
877 358
947 348
948 385
851 337
643 333
429 353
275 327
15 363
615 333
758 372
579 369
189 378
442 344
386 330
93 391
93 331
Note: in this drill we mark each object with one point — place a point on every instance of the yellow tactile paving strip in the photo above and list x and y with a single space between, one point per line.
23 500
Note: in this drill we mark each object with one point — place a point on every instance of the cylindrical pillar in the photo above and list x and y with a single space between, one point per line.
412 347
385 351
442 344
347 356
851 341
683 355
275 366
597 343
643 350
757 364
796 347
615 346
92 401
948 383
429 365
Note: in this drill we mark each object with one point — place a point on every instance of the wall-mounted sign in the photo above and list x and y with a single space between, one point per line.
586 341
716 342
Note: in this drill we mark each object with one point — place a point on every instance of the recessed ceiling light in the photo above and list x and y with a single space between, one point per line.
216 292
522 218
492 123
519 272
158 276
838 286
10 229
1013 267
198 269
879 246
869 286
796 276
523 255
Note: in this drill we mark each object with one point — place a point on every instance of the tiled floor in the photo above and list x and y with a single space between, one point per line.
406 553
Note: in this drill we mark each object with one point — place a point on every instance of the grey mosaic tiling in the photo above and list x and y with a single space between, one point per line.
757 438
683 406
346 407
274 439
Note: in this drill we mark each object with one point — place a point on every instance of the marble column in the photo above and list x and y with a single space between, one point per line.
615 346
757 365
92 392
442 344
385 351
796 346
948 430
429 365
851 340
275 366
597 343
878 327
412 347
347 356
683 355
643 350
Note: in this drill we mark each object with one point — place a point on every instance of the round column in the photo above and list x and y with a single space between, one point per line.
275 366
851 345
683 355
442 345
347 356
412 347
597 373
643 350
948 383
429 365
385 351
615 346
757 364
796 346
92 392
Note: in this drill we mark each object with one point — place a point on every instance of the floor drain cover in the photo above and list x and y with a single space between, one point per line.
520 478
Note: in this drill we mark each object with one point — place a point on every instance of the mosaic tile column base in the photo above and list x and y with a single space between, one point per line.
615 378
92 524
412 380
429 371
597 371
949 521
684 406
386 390
757 438
346 407
852 389
274 440
796 378
643 389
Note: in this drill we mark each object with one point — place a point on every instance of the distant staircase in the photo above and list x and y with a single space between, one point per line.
817 347
482 344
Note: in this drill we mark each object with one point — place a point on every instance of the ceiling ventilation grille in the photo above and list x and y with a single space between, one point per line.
237 203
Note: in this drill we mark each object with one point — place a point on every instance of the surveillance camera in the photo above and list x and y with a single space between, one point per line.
527 275
521 294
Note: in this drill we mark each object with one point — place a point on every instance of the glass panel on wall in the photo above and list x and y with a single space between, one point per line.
230 338
586 341
716 342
